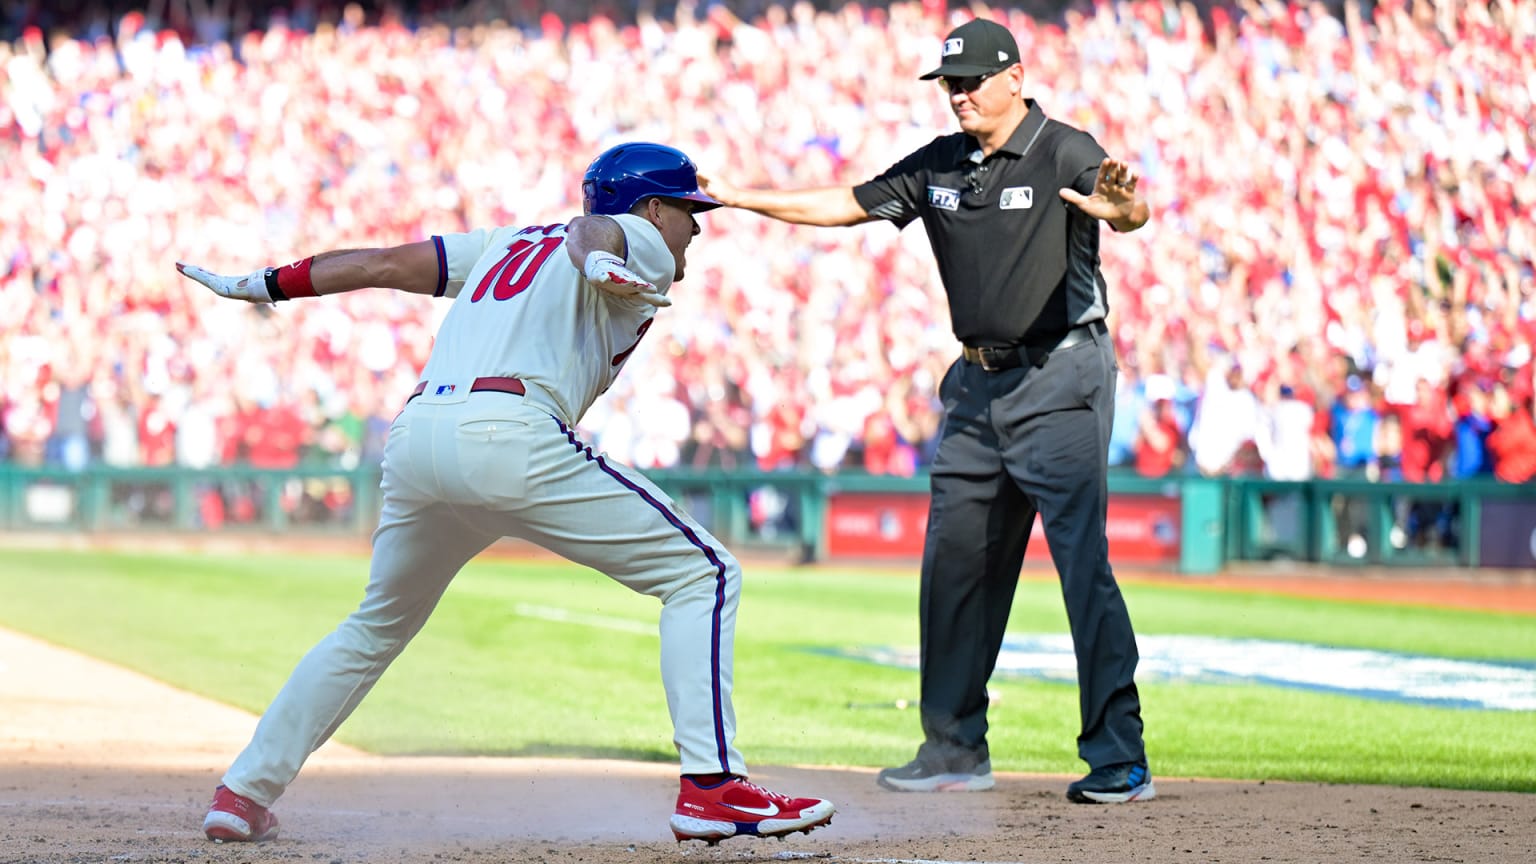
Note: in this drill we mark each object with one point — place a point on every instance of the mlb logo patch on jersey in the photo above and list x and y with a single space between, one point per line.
445 391
944 199
1018 198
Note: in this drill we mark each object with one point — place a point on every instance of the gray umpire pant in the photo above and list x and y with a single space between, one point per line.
1017 442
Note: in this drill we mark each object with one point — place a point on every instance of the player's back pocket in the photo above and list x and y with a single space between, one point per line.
491 464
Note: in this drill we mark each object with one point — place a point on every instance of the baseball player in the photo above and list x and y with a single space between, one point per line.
543 319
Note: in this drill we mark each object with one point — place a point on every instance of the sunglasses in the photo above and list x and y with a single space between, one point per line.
968 84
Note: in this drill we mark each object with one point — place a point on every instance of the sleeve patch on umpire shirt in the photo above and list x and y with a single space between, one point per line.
1018 198
944 199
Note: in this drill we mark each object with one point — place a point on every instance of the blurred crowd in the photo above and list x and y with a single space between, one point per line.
1338 279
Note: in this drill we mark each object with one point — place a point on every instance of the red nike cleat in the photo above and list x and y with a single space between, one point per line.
237 818
735 806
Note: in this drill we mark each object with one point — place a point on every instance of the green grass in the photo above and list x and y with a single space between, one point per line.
484 679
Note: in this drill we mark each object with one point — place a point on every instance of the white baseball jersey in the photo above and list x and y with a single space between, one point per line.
521 309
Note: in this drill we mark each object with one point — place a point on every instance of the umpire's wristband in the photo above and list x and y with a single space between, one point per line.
292 281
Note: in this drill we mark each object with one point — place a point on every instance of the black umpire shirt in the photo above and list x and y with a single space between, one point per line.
1018 263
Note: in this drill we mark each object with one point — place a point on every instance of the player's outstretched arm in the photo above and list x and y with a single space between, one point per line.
829 206
412 267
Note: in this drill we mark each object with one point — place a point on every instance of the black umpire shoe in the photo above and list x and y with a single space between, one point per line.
915 776
1114 784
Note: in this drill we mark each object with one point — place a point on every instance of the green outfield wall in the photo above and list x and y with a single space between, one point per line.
1187 524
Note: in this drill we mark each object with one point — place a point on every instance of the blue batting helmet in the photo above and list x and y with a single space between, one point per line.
626 173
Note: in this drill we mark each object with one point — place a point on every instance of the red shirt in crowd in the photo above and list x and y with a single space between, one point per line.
274 439
884 451
157 435
785 439
1513 445
1426 435
1160 445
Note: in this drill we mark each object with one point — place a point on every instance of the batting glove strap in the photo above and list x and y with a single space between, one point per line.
606 272
273 288
602 266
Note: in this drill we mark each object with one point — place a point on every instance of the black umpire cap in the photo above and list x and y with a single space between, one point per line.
976 47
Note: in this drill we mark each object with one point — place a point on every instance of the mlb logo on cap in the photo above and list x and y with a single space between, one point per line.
976 47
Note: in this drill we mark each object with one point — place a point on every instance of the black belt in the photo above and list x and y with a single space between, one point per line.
1033 353
498 385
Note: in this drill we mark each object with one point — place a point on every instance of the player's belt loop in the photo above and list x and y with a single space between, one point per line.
494 385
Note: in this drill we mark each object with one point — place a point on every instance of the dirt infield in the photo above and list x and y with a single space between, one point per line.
99 764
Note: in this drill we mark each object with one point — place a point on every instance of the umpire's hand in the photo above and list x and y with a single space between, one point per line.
1114 192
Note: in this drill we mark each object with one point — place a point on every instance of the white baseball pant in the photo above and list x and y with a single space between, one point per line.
460 472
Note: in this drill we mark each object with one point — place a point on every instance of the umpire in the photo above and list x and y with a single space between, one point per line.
1011 204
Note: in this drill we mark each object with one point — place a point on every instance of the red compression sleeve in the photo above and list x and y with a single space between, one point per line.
294 281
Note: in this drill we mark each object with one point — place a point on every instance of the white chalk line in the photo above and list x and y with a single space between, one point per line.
566 616
824 857
99 804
